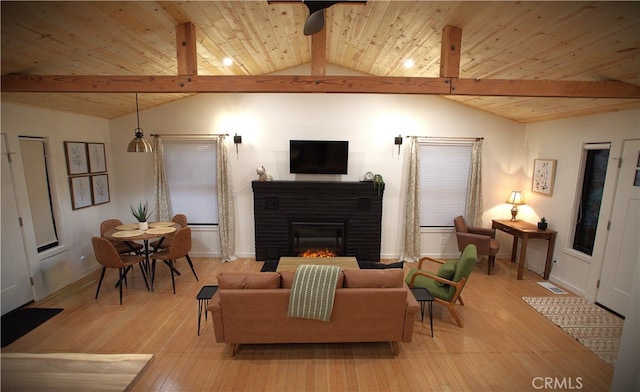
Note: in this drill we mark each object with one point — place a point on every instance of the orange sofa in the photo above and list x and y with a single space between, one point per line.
369 306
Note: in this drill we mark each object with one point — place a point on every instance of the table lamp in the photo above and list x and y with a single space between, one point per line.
517 200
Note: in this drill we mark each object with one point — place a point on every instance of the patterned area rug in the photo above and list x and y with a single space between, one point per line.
595 328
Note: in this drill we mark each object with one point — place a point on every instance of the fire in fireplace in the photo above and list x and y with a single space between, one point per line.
311 253
317 239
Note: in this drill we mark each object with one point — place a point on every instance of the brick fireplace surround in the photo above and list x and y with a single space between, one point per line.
280 206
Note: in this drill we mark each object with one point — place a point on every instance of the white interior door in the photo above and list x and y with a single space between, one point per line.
623 244
16 287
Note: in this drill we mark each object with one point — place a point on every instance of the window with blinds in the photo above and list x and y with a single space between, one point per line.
190 167
443 177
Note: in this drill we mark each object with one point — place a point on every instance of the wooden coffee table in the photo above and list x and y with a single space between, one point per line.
291 263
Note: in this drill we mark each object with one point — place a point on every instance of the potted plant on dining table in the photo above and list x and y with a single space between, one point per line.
142 214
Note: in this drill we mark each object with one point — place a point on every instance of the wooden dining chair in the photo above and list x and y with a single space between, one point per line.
180 219
180 247
107 255
123 247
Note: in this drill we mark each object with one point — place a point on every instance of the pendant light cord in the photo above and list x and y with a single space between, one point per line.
137 115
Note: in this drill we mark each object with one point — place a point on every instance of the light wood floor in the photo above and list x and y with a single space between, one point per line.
504 345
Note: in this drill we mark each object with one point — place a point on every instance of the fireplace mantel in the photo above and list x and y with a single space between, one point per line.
276 204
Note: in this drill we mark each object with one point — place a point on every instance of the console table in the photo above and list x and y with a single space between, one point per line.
525 230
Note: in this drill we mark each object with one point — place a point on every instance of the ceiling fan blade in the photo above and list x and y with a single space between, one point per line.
314 23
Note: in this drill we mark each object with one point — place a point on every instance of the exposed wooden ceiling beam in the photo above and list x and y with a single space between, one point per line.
186 49
319 53
223 84
450 52
544 88
317 84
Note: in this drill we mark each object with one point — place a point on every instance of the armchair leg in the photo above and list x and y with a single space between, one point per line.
455 315
492 261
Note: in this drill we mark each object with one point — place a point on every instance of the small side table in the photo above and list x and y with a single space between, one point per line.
203 297
423 295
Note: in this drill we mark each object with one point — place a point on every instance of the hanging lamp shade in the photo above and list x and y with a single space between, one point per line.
139 143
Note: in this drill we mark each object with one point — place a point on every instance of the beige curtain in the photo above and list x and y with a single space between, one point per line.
411 247
226 219
474 189
161 189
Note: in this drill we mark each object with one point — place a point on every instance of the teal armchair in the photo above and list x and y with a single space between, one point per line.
446 285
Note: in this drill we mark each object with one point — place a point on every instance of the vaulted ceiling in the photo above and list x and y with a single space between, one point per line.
526 61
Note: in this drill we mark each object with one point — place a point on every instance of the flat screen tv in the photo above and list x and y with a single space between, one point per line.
318 156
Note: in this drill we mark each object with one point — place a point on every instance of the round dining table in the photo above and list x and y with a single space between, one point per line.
131 232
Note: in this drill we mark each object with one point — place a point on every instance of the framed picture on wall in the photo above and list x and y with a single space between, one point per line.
97 159
80 192
544 173
76 153
100 189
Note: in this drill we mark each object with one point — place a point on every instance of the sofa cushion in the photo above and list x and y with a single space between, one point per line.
286 279
374 278
447 270
244 280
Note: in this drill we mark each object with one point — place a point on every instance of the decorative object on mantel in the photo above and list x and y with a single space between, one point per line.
378 183
542 225
142 215
139 143
262 173
517 200
544 172
368 177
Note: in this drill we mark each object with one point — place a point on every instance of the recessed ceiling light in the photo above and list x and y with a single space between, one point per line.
227 61
409 63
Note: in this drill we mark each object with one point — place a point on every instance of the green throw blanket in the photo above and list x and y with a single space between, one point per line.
313 291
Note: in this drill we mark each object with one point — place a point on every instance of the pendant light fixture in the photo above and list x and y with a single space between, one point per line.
139 144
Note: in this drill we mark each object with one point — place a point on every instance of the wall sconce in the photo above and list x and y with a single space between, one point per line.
237 139
398 142
517 200
139 143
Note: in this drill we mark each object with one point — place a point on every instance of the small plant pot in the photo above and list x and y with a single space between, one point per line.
542 225
145 225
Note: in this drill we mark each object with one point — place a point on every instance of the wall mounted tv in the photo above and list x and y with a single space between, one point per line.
318 156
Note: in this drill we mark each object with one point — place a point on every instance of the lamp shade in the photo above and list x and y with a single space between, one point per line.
516 198
139 143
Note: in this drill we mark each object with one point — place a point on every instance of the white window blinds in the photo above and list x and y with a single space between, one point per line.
443 177
191 176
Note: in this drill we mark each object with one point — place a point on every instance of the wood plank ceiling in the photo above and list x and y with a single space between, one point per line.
549 42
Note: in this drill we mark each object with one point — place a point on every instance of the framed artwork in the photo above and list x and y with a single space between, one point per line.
97 160
76 153
80 192
544 173
100 189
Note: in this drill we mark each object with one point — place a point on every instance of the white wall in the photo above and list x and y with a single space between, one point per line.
370 122
563 140
73 259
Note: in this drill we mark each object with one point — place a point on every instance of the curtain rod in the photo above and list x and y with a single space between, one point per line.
189 134
447 138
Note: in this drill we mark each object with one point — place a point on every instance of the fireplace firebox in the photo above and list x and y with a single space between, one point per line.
294 216
317 236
